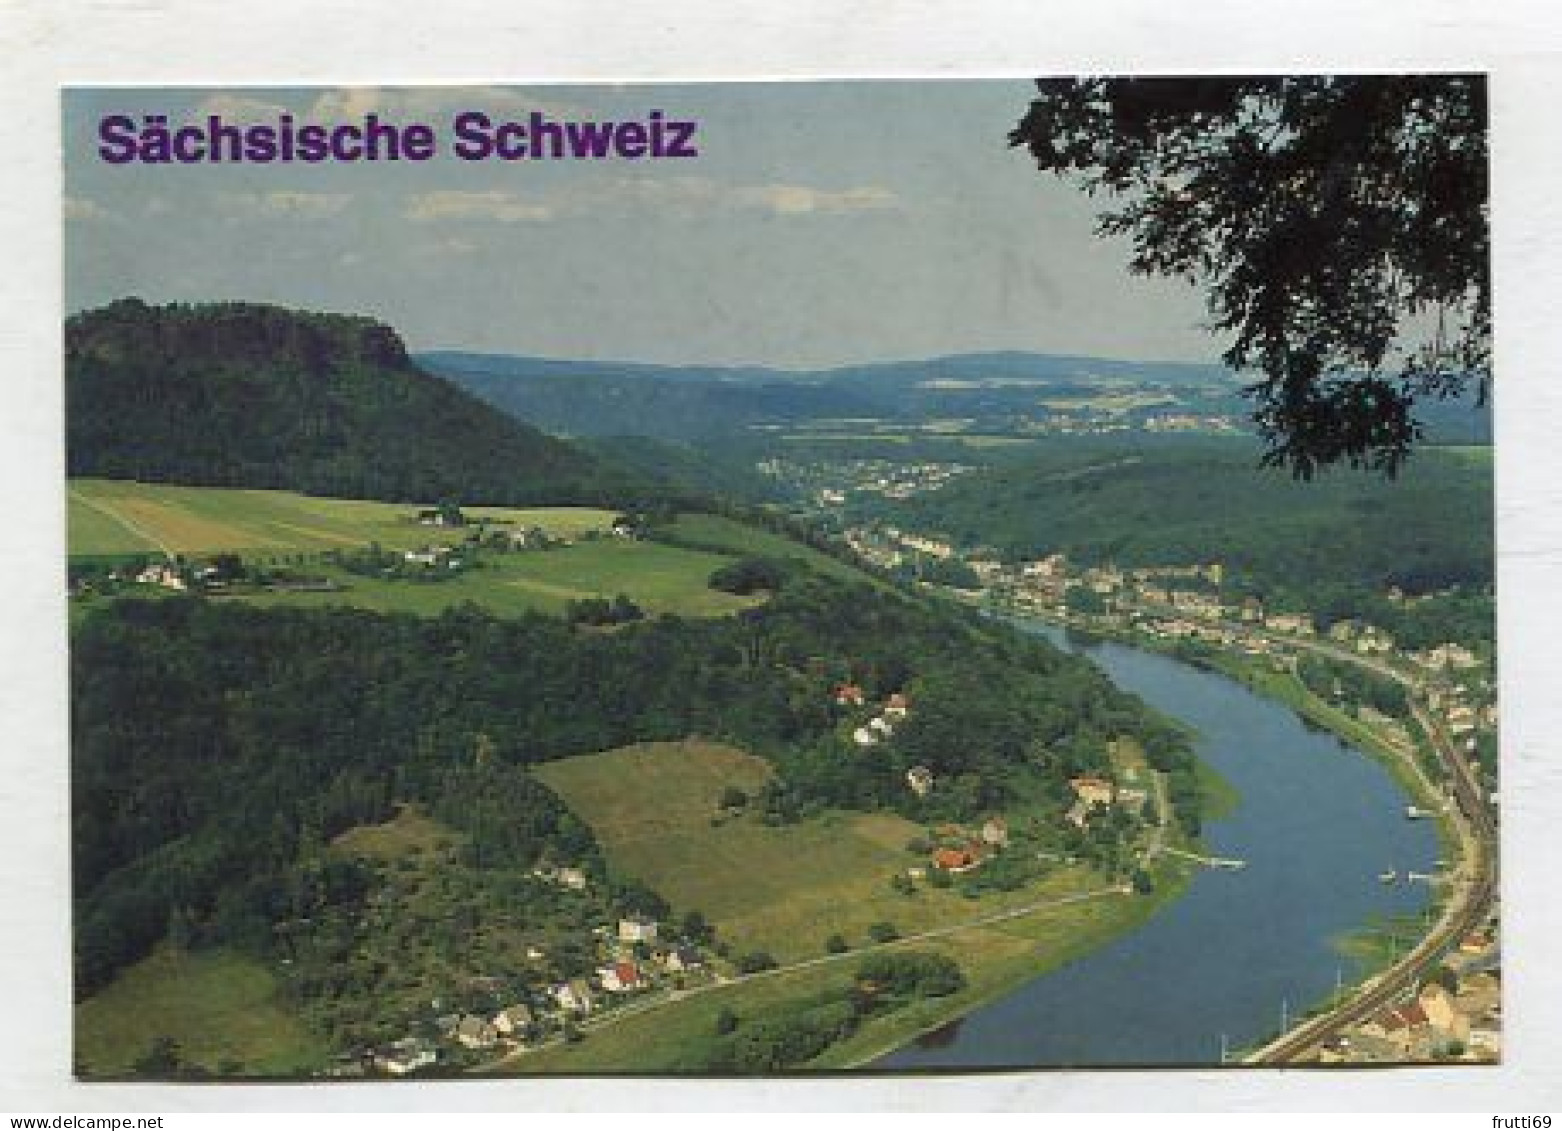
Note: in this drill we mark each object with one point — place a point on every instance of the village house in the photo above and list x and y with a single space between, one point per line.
882 725
574 996
406 1055
513 1020
1447 1022
1450 656
681 958
865 736
637 928
920 779
1405 1026
1290 622
849 695
897 706
1092 790
1476 942
995 832
163 574
476 1033
620 977
955 860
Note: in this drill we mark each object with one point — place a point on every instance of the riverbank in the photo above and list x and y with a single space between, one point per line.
1382 959
1407 767
996 952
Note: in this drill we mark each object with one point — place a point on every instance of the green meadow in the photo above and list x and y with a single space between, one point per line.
113 516
221 1008
116 517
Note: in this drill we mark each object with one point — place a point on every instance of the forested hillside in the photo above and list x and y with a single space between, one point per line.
244 395
217 746
1207 501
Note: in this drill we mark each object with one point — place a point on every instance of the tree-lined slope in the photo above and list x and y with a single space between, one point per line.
244 395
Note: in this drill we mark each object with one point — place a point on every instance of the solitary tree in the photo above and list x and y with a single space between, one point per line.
1338 223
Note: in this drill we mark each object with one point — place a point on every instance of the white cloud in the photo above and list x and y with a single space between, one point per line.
794 200
503 207
283 203
676 198
412 103
83 209
695 197
235 108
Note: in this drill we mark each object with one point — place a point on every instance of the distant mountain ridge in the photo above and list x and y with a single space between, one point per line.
699 403
672 402
250 395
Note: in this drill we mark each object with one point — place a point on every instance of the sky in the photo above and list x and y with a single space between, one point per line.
821 224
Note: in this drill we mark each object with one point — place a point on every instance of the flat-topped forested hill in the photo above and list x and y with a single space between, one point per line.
245 395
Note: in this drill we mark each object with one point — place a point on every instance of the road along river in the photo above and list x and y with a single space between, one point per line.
1317 822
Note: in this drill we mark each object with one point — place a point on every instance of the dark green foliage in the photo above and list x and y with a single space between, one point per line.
241 395
1205 501
1323 213
726 1021
911 974
776 1042
1339 681
216 746
756 961
836 944
750 575
600 612
883 932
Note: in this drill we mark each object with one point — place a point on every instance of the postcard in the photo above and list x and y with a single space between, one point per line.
762 578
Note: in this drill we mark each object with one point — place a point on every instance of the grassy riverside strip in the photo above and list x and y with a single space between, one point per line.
783 889
666 1034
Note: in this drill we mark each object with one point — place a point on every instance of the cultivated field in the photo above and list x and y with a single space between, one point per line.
108 516
782 889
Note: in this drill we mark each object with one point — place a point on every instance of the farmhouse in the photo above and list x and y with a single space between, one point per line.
476 1033
1092 790
406 1055
955 860
849 695
513 1019
637 928
865 736
620 977
574 996
995 831
882 725
161 574
920 779
682 958
897 706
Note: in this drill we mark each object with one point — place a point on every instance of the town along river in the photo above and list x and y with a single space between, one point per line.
1317 822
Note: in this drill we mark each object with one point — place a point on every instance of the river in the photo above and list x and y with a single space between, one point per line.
1317 822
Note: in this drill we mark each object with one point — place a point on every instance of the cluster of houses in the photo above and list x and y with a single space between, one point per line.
882 725
959 852
1456 1015
1092 793
433 557
881 728
634 963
